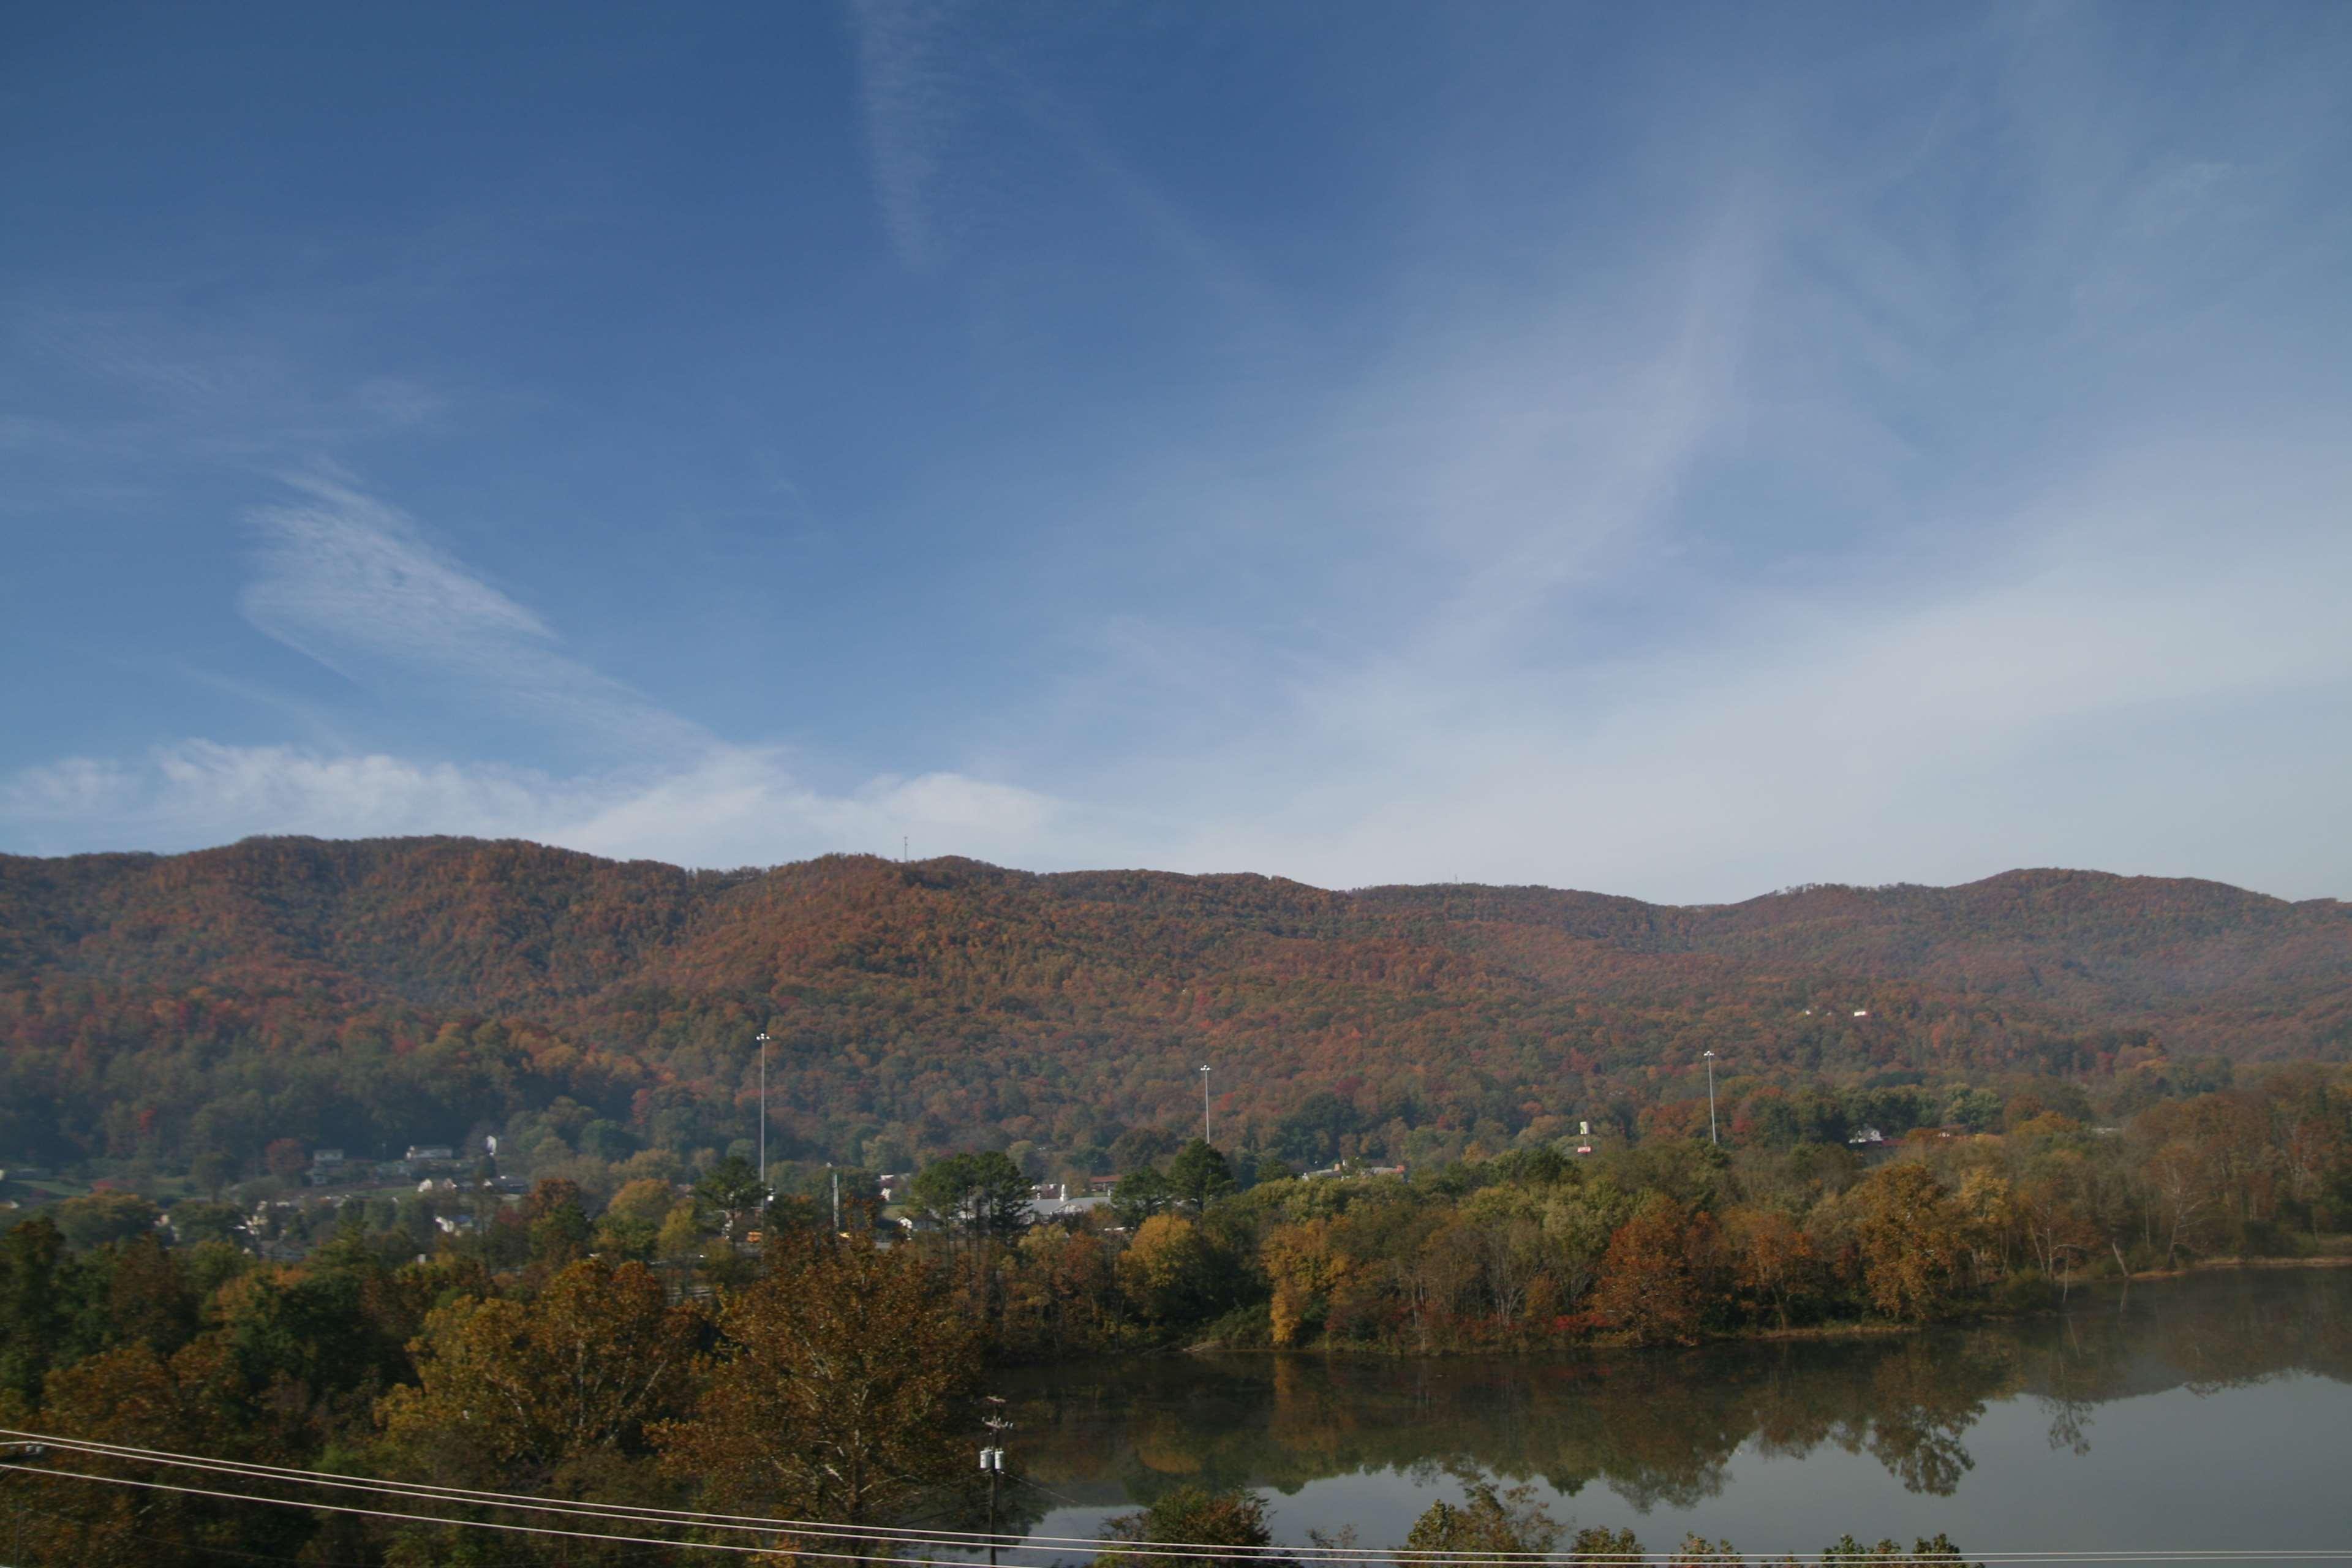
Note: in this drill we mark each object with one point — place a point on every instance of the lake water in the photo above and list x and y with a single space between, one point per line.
2212 1412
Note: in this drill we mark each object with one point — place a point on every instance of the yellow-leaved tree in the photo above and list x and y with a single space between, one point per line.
846 1391
549 1395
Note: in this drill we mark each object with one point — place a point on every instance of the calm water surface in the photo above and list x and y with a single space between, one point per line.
2210 1412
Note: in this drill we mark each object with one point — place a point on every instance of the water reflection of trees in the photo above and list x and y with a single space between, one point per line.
1662 1429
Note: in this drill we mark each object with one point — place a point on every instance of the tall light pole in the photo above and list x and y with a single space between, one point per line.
1710 1099
763 1134
1204 1103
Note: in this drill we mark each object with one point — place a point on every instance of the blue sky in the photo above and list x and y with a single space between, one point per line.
1682 451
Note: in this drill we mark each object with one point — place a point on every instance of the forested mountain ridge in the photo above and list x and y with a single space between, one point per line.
2126 945
378 991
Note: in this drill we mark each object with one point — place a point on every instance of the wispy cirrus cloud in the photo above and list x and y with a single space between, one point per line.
355 583
967 133
1884 448
914 83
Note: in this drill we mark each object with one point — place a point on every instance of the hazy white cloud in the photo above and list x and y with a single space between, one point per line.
355 583
731 806
2087 696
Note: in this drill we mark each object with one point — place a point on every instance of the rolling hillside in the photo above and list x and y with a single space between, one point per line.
389 990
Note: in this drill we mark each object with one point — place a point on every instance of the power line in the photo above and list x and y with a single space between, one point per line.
388 1513
966 1540
128 1533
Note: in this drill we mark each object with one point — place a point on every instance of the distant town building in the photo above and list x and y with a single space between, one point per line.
431 1154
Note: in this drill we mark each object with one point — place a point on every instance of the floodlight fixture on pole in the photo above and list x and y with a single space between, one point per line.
1204 1103
1710 1099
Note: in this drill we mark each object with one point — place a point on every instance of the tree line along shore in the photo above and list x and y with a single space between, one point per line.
715 1348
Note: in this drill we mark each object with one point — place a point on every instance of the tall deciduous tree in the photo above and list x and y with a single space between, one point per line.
543 1394
1911 1232
1169 1269
843 1393
1650 1285
1772 1260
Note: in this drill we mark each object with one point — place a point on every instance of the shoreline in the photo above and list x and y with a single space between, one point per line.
1808 1331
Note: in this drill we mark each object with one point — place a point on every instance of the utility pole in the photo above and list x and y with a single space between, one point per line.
1710 1100
836 1204
1204 1103
763 1137
22 1451
991 1462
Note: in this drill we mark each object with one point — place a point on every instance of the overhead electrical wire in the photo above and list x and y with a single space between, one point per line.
960 1541
126 1532
411 1518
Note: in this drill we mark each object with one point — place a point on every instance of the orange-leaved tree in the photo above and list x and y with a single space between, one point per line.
1652 1283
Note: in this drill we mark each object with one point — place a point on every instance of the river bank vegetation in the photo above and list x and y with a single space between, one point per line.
1666 1241
672 1349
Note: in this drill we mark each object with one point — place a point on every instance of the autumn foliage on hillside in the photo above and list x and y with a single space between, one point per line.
374 993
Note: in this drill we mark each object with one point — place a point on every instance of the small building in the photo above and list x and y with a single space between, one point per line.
1868 1138
431 1154
1345 1169
1064 1208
